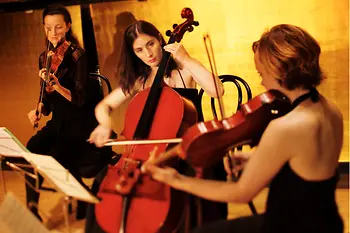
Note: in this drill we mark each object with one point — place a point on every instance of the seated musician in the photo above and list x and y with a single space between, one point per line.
70 98
297 155
142 51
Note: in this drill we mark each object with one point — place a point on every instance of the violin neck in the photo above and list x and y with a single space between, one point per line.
48 68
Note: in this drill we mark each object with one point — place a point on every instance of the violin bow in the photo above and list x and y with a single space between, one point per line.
210 53
229 154
43 84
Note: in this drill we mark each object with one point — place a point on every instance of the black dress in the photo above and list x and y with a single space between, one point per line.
293 205
65 134
211 211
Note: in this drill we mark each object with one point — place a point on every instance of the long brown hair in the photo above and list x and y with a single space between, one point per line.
130 67
292 55
61 10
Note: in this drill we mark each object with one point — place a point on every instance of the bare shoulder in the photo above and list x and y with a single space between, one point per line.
185 73
332 109
294 125
182 75
307 119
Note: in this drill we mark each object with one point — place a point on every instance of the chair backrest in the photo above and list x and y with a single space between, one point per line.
100 78
97 158
238 81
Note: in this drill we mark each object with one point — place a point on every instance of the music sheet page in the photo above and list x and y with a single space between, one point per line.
16 218
59 176
10 146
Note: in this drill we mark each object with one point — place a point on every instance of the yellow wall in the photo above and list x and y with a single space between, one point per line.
233 26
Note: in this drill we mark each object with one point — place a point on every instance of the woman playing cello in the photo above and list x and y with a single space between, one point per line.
142 51
297 155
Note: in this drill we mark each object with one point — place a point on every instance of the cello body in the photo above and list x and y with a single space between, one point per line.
131 202
152 206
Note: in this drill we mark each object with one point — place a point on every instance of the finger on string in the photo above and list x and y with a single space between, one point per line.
149 161
148 168
227 165
153 153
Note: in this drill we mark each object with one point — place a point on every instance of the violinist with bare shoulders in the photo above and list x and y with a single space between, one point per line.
297 155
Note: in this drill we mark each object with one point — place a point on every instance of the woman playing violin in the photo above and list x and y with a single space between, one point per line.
69 98
297 155
142 51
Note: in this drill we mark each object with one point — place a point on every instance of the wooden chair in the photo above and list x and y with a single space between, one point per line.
242 86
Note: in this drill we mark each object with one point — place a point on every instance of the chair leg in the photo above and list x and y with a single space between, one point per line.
81 210
252 208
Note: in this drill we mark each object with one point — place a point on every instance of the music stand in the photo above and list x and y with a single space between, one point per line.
10 147
15 217
49 168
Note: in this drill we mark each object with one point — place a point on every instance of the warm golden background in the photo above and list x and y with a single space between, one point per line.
232 25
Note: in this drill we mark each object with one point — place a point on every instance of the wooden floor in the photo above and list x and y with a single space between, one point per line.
51 204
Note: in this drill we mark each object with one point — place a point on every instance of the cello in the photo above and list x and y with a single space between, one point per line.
131 202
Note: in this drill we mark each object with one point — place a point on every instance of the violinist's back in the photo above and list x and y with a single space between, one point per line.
320 138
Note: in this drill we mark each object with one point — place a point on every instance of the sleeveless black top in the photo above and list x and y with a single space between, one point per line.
296 205
192 95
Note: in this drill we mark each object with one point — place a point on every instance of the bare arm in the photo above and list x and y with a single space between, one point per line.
200 74
110 102
102 132
272 152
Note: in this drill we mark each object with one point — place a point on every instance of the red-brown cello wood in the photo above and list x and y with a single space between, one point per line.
133 203
205 143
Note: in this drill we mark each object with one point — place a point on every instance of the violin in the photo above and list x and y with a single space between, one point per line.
127 197
52 62
206 143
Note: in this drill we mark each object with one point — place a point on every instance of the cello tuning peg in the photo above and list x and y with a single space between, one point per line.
195 23
168 33
174 26
190 29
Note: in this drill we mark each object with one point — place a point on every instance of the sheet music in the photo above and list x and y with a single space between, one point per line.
9 144
59 176
16 218
3 133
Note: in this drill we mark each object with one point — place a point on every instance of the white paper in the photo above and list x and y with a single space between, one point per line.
16 218
9 145
48 167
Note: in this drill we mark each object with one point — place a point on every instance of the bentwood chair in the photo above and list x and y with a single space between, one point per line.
243 90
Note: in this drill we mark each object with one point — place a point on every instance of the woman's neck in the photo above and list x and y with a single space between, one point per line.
294 94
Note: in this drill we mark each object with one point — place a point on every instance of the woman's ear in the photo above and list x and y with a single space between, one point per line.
68 26
160 39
